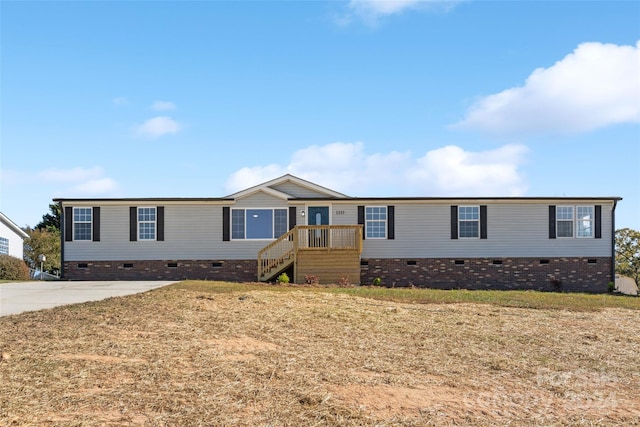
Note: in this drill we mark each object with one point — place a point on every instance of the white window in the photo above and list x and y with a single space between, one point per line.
468 222
375 222
237 224
564 221
258 223
82 224
4 246
575 221
584 221
147 223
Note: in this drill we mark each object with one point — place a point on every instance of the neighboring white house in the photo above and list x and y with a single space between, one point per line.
11 238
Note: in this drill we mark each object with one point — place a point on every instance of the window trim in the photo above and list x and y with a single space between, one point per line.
385 221
573 222
244 225
592 221
4 245
155 223
478 221
74 222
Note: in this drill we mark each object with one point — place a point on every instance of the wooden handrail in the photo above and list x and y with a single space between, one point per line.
276 252
281 252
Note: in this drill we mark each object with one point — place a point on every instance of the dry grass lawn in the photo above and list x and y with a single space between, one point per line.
219 354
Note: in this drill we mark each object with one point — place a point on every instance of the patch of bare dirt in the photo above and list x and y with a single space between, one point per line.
495 405
98 358
174 357
242 344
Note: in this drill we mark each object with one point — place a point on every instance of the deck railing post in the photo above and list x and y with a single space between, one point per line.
314 238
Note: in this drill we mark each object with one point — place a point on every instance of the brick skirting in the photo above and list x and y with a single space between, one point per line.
228 270
547 274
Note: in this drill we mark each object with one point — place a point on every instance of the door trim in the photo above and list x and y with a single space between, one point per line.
325 205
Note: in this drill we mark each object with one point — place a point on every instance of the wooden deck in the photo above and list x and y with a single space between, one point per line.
330 252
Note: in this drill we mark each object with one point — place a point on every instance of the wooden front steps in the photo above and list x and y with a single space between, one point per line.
330 252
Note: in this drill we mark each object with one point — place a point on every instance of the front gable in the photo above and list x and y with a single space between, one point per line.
289 187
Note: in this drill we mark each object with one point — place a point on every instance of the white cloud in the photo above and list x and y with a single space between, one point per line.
371 10
163 106
80 181
157 127
446 171
248 177
26 194
95 187
595 86
383 7
70 175
453 171
120 101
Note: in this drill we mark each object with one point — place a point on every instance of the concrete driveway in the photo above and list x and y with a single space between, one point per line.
31 296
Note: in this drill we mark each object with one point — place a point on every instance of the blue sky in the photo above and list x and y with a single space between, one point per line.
370 98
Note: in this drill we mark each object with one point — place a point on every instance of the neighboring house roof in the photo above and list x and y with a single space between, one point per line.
12 225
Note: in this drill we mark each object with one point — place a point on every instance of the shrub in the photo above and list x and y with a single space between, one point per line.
344 282
377 281
12 268
310 279
556 283
283 278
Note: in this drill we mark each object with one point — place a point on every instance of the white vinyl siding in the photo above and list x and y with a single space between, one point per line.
422 230
14 242
298 191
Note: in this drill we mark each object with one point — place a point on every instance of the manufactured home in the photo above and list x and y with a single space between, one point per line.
292 225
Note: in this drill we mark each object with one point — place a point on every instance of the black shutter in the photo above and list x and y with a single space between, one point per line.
160 223
454 222
68 224
96 224
226 224
292 217
361 219
598 222
391 226
552 221
483 221
133 224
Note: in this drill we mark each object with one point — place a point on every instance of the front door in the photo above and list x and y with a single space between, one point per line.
318 215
